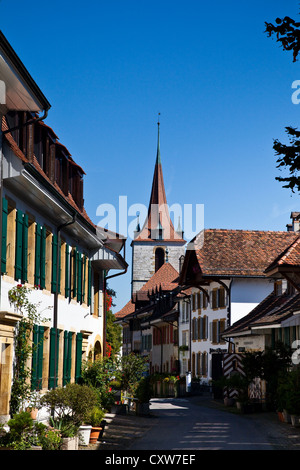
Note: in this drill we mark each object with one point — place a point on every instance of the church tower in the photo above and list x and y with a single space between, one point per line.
157 242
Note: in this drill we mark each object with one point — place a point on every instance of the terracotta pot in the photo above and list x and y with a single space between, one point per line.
95 431
33 412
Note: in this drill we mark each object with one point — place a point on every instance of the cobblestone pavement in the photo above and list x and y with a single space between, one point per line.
124 431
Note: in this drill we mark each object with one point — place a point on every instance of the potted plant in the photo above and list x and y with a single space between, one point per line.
95 418
70 407
34 404
143 395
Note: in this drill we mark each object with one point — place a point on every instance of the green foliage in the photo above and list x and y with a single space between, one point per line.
24 432
20 392
70 406
288 391
144 390
99 374
113 333
133 368
96 416
51 439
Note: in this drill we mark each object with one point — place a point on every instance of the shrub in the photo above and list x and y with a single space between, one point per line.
70 406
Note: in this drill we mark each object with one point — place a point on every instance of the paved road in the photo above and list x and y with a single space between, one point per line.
194 423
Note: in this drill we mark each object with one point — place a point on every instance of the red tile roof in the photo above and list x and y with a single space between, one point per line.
165 278
240 252
126 310
289 257
273 309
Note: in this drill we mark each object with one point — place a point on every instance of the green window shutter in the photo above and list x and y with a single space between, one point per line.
4 234
37 358
83 278
67 272
89 283
19 245
66 358
54 263
34 358
79 277
75 271
53 367
78 359
43 259
37 270
25 249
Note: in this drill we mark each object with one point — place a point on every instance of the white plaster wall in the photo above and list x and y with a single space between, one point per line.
72 316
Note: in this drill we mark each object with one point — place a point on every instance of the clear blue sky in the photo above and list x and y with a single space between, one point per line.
223 89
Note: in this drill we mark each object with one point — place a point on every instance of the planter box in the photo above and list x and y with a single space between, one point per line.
84 435
69 443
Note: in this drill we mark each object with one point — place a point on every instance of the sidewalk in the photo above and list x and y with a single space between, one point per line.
121 430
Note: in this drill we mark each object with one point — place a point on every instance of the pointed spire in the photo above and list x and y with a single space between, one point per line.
158 224
158 158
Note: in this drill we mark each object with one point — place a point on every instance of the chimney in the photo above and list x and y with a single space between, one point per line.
295 222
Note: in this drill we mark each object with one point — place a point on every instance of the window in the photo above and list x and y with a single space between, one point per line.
218 298
159 258
217 327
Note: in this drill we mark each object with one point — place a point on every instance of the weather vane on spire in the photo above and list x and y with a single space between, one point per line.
158 119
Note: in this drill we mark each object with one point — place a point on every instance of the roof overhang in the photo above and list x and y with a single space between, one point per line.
18 90
104 258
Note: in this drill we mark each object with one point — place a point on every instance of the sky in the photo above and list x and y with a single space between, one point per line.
223 89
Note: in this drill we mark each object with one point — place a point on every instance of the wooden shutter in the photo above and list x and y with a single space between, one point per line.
53 367
89 299
25 249
37 271
67 359
43 258
67 272
54 280
83 278
75 271
78 359
4 235
79 277
37 358
19 245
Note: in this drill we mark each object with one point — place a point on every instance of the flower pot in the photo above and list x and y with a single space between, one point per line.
84 433
69 443
95 431
280 416
33 412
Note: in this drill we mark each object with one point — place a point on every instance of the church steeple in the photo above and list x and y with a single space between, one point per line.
158 224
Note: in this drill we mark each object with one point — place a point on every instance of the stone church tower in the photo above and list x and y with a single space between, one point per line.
157 242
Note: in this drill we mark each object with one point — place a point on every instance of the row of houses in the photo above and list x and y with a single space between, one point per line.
49 243
224 291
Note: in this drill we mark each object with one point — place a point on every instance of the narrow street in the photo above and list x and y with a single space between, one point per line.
198 423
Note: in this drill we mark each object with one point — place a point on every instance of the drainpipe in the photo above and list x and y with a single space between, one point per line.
104 289
55 311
